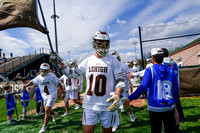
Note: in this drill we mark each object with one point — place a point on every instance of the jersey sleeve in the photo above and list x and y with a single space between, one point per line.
55 80
35 81
75 72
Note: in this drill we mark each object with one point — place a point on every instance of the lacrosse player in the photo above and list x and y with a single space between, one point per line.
79 83
70 88
47 83
125 93
25 98
162 89
101 71
10 103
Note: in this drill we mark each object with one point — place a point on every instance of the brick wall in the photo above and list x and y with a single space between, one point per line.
189 55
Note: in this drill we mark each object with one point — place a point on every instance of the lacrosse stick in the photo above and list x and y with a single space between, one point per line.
30 106
16 108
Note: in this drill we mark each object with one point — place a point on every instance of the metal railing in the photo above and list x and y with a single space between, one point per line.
21 60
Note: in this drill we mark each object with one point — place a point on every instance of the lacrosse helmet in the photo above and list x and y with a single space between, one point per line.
179 58
127 63
44 69
116 55
73 63
135 62
97 39
148 59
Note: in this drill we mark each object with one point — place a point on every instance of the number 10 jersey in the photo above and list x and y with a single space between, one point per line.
101 74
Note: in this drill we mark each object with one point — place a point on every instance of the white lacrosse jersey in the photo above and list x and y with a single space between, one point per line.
68 83
131 69
100 74
47 84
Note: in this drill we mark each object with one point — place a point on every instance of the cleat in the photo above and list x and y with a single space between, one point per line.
38 114
44 128
12 123
78 106
132 118
114 128
65 114
54 116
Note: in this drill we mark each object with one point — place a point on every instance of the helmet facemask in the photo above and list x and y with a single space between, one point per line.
43 72
73 63
98 49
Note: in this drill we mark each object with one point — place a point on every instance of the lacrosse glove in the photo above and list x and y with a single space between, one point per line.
52 58
116 103
76 88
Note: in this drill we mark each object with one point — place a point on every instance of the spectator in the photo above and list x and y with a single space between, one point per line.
29 76
11 55
18 76
4 58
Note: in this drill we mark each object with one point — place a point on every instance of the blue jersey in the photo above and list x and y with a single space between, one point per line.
10 102
161 86
38 96
25 97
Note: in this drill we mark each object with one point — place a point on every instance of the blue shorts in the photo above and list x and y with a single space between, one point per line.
10 112
25 103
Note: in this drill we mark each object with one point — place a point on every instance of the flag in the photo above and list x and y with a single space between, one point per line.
19 13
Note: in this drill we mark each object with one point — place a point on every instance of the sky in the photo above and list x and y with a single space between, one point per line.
79 19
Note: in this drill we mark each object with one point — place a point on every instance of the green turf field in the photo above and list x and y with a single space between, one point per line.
72 123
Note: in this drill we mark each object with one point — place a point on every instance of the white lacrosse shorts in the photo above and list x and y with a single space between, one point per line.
49 101
91 117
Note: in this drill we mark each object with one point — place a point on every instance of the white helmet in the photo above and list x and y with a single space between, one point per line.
148 59
179 58
44 68
135 62
101 36
116 55
73 62
127 63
